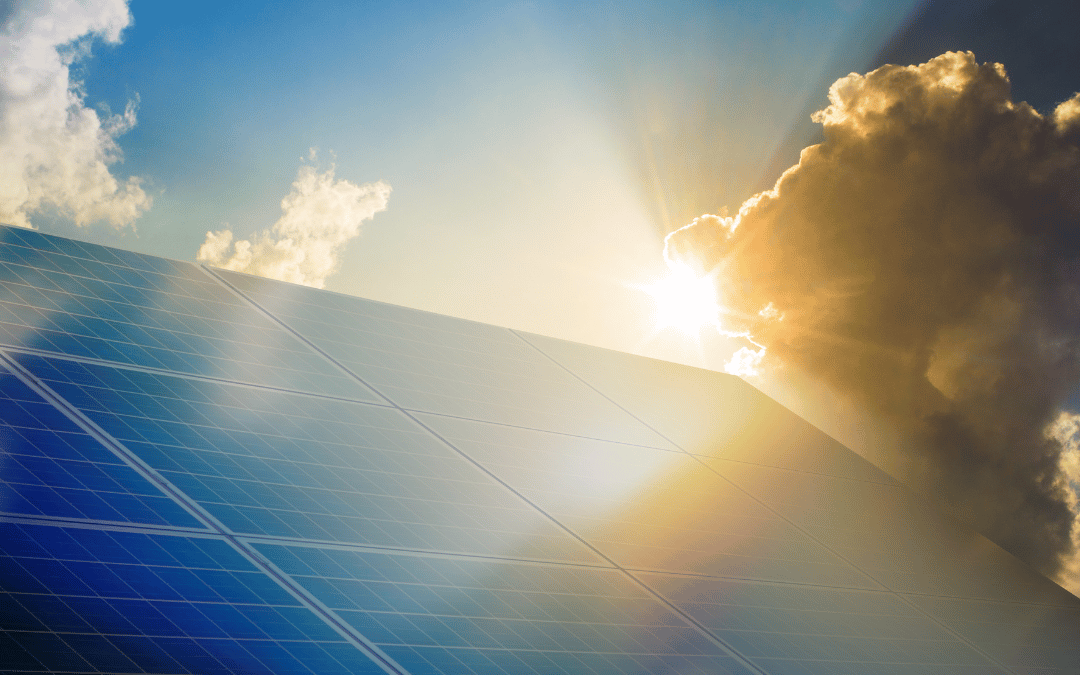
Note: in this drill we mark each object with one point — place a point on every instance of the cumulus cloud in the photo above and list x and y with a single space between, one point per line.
55 153
925 259
318 218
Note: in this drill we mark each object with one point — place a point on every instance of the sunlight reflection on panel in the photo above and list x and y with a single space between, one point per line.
647 508
709 413
266 462
432 363
437 615
89 301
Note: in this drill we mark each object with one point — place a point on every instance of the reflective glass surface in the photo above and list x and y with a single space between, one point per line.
648 508
497 502
272 463
51 467
87 601
441 614
423 361
68 297
709 413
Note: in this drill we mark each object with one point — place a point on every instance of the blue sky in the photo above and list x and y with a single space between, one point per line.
538 152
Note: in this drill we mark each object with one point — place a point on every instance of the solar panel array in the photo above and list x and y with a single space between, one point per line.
207 472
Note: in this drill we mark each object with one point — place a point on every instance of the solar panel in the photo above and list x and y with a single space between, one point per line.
50 467
893 536
818 629
682 403
430 363
443 614
94 302
649 509
268 462
95 600
1024 636
206 472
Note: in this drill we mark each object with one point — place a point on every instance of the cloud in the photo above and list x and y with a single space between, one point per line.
925 260
55 153
318 218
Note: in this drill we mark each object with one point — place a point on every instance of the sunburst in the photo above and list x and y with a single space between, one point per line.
685 301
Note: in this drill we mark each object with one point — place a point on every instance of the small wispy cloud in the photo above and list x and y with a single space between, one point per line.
318 218
55 153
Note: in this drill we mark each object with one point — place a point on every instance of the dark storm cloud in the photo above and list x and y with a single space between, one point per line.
925 259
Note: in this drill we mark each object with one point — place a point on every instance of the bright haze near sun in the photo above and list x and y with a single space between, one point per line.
685 301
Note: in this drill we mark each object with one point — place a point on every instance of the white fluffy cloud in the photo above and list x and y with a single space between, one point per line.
319 217
55 153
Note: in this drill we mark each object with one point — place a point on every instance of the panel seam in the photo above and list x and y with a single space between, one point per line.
295 334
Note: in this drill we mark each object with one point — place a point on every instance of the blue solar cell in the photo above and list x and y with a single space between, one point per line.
51 467
51 653
86 601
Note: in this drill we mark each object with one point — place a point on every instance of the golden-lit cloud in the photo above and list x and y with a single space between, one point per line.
925 260
318 218
55 153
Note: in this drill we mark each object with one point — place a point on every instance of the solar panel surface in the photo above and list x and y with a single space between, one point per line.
205 472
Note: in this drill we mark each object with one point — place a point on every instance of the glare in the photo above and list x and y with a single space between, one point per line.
685 301
688 302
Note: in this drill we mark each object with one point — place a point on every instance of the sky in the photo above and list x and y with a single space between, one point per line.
521 164
519 140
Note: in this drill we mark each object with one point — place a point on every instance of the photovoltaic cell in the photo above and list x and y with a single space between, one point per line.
647 508
442 615
428 362
87 601
90 301
271 463
51 467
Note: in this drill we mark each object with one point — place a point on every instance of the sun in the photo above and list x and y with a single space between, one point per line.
685 301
